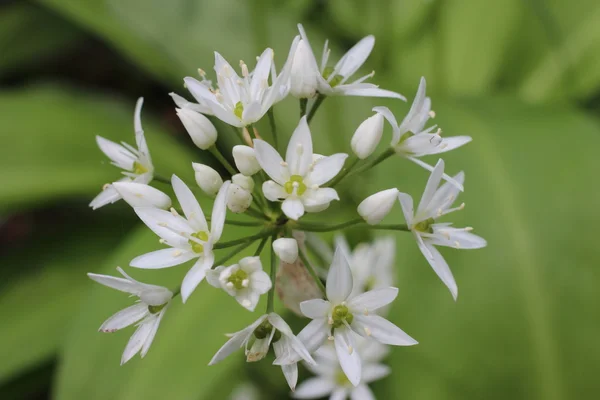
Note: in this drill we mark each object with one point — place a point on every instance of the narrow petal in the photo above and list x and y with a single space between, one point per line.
374 372
318 197
260 282
142 195
136 342
296 344
314 334
252 113
446 195
274 191
260 74
326 169
361 392
166 225
290 372
451 143
453 181
384 331
153 329
236 341
340 393
195 275
373 299
219 212
339 279
124 318
299 151
292 208
191 208
270 160
120 284
140 138
162 258
415 108
440 266
212 276
457 238
347 355
355 57
117 153
432 184
108 195
314 388
406 202
315 308
367 90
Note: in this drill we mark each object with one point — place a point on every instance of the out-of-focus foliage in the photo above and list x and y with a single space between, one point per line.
524 325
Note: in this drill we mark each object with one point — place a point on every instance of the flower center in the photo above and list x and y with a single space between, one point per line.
424 226
239 109
336 80
198 247
138 168
295 182
156 309
340 314
238 278
341 379
405 136
264 330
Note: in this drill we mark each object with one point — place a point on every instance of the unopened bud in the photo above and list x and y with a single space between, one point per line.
303 77
238 198
286 249
142 195
375 207
208 179
243 181
200 129
245 160
367 136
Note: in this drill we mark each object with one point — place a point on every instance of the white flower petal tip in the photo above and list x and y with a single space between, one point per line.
239 194
367 136
245 160
286 249
207 179
200 129
142 195
374 208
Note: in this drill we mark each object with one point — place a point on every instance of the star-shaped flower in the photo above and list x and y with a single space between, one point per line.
188 237
297 180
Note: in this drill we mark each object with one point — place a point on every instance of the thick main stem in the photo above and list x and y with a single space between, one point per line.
273 274
315 107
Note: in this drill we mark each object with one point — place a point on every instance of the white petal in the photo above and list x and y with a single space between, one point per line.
451 143
123 285
290 372
314 334
270 160
439 265
362 392
387 114
219 212
141 195
155 295
118 154
136 342
446 195
339 279
457 238
355 57
415 108
340 393
321 196
165 225
315 308
153 329
191 208
348 356
383 330
252 113
373 299
326 169
125 317
406 202
296 344
274 191
108 195
212 276
432 184
237 340
261 73
314 388
299 151
374 372
162 258
260 282
247 299
366 90
196 274
292 208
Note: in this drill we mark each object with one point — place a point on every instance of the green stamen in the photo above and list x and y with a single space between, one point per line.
289 185
340 314
336 80
198 247
238 278
239 109
156 309
138 168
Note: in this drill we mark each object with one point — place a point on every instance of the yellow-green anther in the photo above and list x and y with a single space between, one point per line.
239 109
340 314
264 330
289 185
198 247
238 279
425 226
156 309
139 168
336 80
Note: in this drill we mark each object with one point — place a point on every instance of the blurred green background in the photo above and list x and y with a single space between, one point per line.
522 77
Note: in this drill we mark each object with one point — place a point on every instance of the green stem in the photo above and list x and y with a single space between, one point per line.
312 271
261 246
233 253
241 223
239 134
271 295
315 107
303 104
246 239
256 214
382 157
217 154
271 115
162 179
391 227
322 228
353 161
176 291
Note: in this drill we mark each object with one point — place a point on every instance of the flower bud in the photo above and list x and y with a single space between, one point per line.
142 195
245 160
286 249
200 129
375 207
245 182
208 179
367 136
303 76
238 198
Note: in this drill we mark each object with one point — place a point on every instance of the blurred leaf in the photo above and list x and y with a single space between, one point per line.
50 151
523 326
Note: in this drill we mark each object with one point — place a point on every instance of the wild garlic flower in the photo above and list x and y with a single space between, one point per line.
342 314
256 339
308 78
147 312
245 281
435 203
142 195
189 238
330 379
297 180
134 161
239 100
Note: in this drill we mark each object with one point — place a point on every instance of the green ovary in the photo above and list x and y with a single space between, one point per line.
239 109
264 330
425 226
238 278
289 185
336 80
198 247
340 314
156 309
138 168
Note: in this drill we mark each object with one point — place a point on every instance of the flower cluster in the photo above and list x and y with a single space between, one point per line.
344 293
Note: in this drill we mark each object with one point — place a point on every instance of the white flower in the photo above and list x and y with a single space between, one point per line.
435 203
286 249
256 339
239 101
200 129
331 381
341 314
375 207
142 195
207 179
245 281
245 160
202 106
332 81
239 195
297 179
188 237
135 162
367 136
372 264
147 312
412 140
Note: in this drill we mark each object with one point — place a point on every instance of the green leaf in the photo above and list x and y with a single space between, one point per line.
53 152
